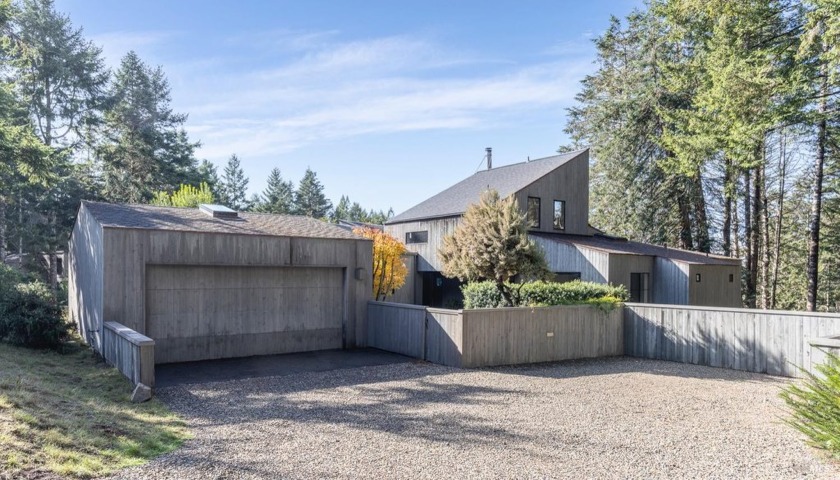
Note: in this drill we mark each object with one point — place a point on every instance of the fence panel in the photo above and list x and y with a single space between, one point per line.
398 328
132 353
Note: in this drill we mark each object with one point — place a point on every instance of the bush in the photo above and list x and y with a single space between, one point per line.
544 294
815 406
30 317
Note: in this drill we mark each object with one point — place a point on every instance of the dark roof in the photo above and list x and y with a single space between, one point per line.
628 247
193 220
506 180
351 225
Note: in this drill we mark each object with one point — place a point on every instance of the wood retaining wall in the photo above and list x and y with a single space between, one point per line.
132 353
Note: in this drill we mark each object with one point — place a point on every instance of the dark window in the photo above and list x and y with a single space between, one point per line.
563 277
417 237
731 278
59 266
559 214
640 287
534 212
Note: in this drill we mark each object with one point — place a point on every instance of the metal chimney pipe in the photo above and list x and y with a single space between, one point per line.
489 151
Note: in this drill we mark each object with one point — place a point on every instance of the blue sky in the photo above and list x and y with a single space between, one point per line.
388 101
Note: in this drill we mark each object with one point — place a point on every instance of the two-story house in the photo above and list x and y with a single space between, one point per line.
554 193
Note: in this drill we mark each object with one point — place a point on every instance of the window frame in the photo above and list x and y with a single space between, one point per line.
408 237
643 287
562 227
535 226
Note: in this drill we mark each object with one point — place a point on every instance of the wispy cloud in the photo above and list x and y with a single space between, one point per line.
116 44
327 89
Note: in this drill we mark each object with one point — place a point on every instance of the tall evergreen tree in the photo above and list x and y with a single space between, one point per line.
233 189
279 195
209 174
144 147
309 197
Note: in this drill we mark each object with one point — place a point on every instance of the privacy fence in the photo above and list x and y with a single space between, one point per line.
486 337
764 341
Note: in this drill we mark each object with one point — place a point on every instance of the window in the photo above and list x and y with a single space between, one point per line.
417 237
563 277
640 287
559 214
534 212
731 278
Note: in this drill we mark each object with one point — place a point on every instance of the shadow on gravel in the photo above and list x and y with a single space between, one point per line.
360 398
621 365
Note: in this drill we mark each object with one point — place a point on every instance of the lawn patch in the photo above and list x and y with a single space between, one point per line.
69 414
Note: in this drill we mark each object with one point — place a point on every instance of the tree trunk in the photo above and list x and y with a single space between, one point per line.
683 199
755 237
749 284
774 283
815 219
701 220
505 294
2 229
727 208
765 242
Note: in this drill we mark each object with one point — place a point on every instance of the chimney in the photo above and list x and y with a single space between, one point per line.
489 151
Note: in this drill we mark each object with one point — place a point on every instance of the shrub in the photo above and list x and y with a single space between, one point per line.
815 406
544 294
30 317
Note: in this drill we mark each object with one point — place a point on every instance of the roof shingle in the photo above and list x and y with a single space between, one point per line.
193 220
506 180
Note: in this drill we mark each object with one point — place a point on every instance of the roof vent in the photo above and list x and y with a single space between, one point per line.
489 151
218 211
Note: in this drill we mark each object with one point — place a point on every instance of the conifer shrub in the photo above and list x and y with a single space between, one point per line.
814 405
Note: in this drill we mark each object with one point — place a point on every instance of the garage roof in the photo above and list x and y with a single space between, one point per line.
193 220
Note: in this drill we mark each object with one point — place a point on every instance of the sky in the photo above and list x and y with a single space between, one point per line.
389 102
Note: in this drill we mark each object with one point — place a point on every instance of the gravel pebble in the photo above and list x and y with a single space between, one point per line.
606 418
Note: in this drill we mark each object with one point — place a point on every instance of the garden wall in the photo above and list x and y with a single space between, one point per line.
504 336
133 354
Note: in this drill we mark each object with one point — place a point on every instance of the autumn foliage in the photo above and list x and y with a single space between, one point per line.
389 271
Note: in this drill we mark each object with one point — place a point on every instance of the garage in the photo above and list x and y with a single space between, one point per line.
242 311
208 283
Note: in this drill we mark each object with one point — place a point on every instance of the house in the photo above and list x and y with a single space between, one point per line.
554 193
210 282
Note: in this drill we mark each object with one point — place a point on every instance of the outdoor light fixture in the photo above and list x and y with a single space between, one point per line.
360 274
697 278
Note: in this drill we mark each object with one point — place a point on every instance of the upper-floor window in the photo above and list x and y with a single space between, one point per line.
559 214
534 212
417 237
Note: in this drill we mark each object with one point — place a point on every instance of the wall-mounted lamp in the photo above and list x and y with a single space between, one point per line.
360 273
697 278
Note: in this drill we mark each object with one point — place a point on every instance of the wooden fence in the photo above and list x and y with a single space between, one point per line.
486 337
132 353
764 341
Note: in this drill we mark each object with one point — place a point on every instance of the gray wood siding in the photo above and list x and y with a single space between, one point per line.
763 341
412 290
205 312
570 182
593 265
427 260
714 288
512 336
670 282
85 278
398 328
131 353
621 266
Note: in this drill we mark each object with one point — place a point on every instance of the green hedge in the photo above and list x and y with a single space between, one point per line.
29 313
544 294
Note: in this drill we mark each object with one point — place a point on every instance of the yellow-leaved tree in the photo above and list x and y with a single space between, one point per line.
186 196
389 271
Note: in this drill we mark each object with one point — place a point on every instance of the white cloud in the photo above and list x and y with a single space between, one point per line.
116 44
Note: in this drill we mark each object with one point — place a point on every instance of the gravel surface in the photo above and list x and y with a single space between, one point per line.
609 418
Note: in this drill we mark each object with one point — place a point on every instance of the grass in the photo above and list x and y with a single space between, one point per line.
69 414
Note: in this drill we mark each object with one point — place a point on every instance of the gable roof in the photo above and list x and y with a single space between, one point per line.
506 180
179 219
628 247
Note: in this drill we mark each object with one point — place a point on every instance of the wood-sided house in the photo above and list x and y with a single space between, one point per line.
554 193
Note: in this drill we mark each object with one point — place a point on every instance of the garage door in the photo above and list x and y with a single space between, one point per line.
198 313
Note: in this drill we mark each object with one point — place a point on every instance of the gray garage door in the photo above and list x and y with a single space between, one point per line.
198 313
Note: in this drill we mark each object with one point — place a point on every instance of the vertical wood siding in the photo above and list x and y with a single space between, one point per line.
131 353
593 265
427 260
444 337
397 328
670 282
763 341
85 280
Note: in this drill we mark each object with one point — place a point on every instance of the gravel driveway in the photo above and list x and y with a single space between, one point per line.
609 418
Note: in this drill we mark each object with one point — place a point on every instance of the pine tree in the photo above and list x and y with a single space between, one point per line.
342 210
144 146
279 195
309 197
209 174
234 185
